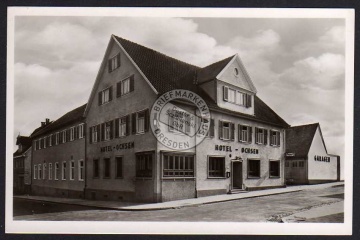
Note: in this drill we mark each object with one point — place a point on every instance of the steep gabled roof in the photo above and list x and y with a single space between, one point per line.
25 143
161 70
299 139
66 119
211 71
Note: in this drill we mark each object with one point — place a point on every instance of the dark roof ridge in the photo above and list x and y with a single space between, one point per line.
217 62
155 51
58 122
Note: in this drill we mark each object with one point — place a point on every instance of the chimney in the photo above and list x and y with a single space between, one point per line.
47 121
42 124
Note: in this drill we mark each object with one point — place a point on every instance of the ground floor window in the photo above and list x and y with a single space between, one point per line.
81 170
144 165
216 167
253 168
106 167
96 168
274 169
57 169
50 171
35 171
72 170
119 167
178 165
64 171
39 171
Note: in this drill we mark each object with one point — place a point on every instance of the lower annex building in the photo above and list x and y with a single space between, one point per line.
105 149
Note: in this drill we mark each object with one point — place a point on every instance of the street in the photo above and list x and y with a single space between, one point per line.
259 209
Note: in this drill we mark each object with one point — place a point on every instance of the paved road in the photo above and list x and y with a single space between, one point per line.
259 209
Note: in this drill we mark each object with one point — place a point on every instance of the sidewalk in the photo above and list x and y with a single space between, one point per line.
326 211
129 206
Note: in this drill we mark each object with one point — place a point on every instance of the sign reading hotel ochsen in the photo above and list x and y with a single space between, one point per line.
180 128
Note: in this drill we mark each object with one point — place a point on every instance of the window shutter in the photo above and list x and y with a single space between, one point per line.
110 93
250 134
109 65
132 83
127 125
256 135
118 89
248 100
117 121
271 140
278 138
60 137
232 131
133 123
98 132
220 130
102 131
239 132
118 60
147 120
90 130
53 139
76 133
99 98
111 129
265 136
212 127
67 135
226 93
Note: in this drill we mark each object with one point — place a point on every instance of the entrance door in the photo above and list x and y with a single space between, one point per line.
237 175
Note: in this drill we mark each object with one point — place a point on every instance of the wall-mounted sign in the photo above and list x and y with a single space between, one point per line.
290 154
321 158
250 150
223 148
119 146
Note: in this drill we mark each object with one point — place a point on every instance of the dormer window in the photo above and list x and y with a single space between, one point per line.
114 62
236 97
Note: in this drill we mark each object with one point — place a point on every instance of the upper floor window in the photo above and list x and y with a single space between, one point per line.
140 122
72 134
57 169
63 175
211 131
50 140
245 134
95 133
105 96
57 138
226 130
274 138
108 130
261 136
35 171
125 86
114 62
233 96
63 136
81 130
122 126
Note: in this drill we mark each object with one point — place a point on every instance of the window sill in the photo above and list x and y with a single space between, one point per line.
274 177
143 178
125 94
253 178
215 178
227 140
247 143
139 133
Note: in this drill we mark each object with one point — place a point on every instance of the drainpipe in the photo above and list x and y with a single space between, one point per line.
85 160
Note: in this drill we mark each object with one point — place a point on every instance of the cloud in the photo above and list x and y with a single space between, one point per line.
332 40
324 72
57 59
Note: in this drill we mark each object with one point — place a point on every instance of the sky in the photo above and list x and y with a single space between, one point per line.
297 65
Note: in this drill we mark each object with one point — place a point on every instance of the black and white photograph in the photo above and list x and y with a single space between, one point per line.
205 121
